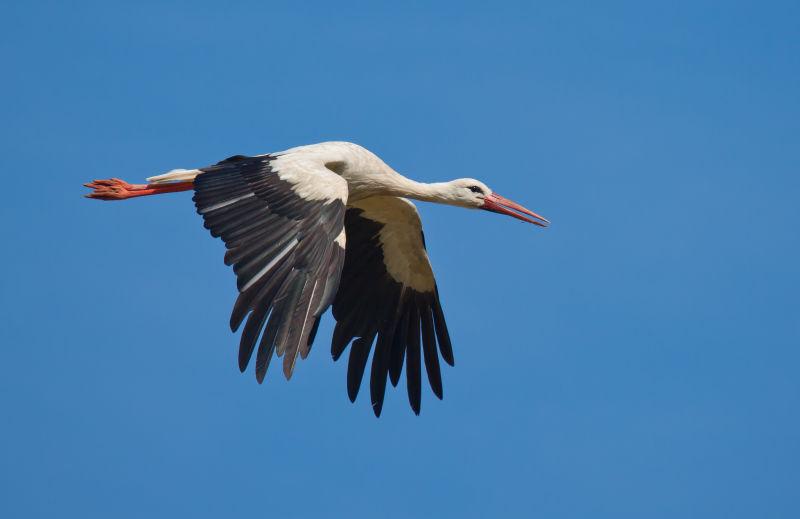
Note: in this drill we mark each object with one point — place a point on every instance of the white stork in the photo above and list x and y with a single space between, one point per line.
328 224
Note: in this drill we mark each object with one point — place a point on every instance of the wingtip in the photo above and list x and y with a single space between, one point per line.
352 390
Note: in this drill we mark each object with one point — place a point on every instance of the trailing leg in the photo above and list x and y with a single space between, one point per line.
116 189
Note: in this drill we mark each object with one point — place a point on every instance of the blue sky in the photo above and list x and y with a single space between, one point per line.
637 359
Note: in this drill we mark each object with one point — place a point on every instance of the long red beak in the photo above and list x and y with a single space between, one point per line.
497 204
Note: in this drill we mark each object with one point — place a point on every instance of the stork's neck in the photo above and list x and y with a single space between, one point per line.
399 185
434 192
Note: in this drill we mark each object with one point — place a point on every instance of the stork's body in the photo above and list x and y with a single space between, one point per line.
325 224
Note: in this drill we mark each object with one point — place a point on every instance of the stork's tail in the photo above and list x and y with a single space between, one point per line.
176 175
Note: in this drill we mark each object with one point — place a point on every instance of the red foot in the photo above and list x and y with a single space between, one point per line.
116 189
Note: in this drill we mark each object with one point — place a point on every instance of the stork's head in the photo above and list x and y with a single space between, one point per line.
468 192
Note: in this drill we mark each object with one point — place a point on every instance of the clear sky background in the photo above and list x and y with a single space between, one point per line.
637 359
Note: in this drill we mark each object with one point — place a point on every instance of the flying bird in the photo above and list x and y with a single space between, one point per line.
328 224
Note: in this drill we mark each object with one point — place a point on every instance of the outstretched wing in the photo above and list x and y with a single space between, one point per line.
281 219
387 291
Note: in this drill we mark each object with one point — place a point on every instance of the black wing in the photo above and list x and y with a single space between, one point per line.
286 249
388 295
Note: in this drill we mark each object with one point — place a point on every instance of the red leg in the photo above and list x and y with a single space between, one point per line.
116 189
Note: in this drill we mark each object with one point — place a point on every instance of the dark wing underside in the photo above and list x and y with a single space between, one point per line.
283 250
392 309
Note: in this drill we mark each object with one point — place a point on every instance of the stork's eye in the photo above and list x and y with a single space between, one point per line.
475 189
